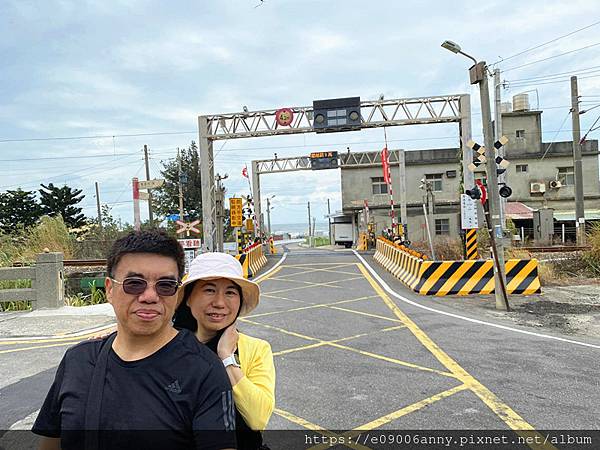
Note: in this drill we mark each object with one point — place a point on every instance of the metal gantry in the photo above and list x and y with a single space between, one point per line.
374 114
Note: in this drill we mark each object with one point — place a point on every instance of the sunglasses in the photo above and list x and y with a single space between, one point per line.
137 286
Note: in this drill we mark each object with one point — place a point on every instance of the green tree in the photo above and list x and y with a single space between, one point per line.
62 200
166 198
18 208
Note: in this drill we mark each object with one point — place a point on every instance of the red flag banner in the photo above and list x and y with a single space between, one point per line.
386 165
245 172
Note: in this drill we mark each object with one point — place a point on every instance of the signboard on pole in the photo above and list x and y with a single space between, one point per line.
468 212
235 212
191 247
151 184
324 160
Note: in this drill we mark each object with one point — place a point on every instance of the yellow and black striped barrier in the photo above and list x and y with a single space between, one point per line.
471 244
455 277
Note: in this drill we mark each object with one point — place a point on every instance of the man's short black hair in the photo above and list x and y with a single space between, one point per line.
147 241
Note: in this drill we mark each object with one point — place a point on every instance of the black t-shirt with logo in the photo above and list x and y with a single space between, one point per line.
177 398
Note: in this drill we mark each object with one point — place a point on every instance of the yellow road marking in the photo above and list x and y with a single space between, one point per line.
281 298
409 409
501 409
363 313
322 343
302 266
269 275
290 275
14 350
355 350
65 339
314 427
300 308
330 284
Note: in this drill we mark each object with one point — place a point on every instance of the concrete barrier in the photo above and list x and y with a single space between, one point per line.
454 277
47 282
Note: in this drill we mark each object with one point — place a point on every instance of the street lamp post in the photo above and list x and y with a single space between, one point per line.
478 75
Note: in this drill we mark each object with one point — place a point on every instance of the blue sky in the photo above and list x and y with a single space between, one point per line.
101 69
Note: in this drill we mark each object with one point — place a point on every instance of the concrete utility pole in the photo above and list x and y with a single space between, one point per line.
309 227
329 221
478 75
180 185
150 215
219 200
98 206
137 223
269 215
498 133
577 165
402 178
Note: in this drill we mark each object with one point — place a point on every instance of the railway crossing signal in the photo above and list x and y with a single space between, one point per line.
186 227
501 164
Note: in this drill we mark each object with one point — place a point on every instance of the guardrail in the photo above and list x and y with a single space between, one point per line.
454 277
47 287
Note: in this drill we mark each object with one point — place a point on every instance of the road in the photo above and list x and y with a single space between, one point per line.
351 356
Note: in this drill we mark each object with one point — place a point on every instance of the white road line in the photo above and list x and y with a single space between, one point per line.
457 316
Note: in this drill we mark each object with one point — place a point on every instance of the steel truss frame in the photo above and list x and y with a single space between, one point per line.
375 114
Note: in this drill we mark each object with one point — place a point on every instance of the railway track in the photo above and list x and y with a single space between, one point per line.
556 249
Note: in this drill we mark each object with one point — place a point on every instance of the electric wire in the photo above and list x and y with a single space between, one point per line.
546 43
551 57
554 139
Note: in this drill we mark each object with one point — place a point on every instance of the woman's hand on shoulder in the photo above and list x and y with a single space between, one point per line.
228 341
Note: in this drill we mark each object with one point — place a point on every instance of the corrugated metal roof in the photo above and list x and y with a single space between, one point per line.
569 216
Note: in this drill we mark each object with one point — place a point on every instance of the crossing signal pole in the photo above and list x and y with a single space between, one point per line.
478 74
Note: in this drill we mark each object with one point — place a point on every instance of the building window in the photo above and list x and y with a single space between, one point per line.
379 186
566 175
522 168
442 226
436 181
520 134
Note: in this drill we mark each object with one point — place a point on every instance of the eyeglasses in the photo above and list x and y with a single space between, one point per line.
137 286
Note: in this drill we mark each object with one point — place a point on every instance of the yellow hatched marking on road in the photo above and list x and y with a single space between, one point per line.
317 428
319 305
262 278
322 343
330 284
343 347
275 297
301 266
314 270
376 316
410 408
501 409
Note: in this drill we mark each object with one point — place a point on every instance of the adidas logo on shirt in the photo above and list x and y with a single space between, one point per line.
174 387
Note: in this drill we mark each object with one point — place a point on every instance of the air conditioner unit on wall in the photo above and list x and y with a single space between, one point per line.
555 184
538 188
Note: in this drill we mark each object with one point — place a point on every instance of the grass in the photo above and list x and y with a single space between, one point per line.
318 241
16 305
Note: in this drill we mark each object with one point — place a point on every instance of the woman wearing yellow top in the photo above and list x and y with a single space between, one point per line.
212 296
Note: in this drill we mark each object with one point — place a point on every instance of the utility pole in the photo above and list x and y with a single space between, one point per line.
98 206
150 215
329 221
137 224
180 185
269 215
478 74
577 165
309 227
501 151
219 201
402 178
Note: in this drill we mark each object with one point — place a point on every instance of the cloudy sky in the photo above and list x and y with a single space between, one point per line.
85 84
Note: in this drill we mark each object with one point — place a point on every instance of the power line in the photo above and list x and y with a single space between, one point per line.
99 136
551 82
572 72
553 140
551 57
546 43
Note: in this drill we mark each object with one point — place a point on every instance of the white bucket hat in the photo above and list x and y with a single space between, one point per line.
210 266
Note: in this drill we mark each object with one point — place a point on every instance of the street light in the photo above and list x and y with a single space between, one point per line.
478 75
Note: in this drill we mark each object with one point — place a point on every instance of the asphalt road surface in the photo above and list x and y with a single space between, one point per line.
354 358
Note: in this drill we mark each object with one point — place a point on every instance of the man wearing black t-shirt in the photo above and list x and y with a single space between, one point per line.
146 386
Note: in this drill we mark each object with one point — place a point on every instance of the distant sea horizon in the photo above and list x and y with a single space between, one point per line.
298 228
